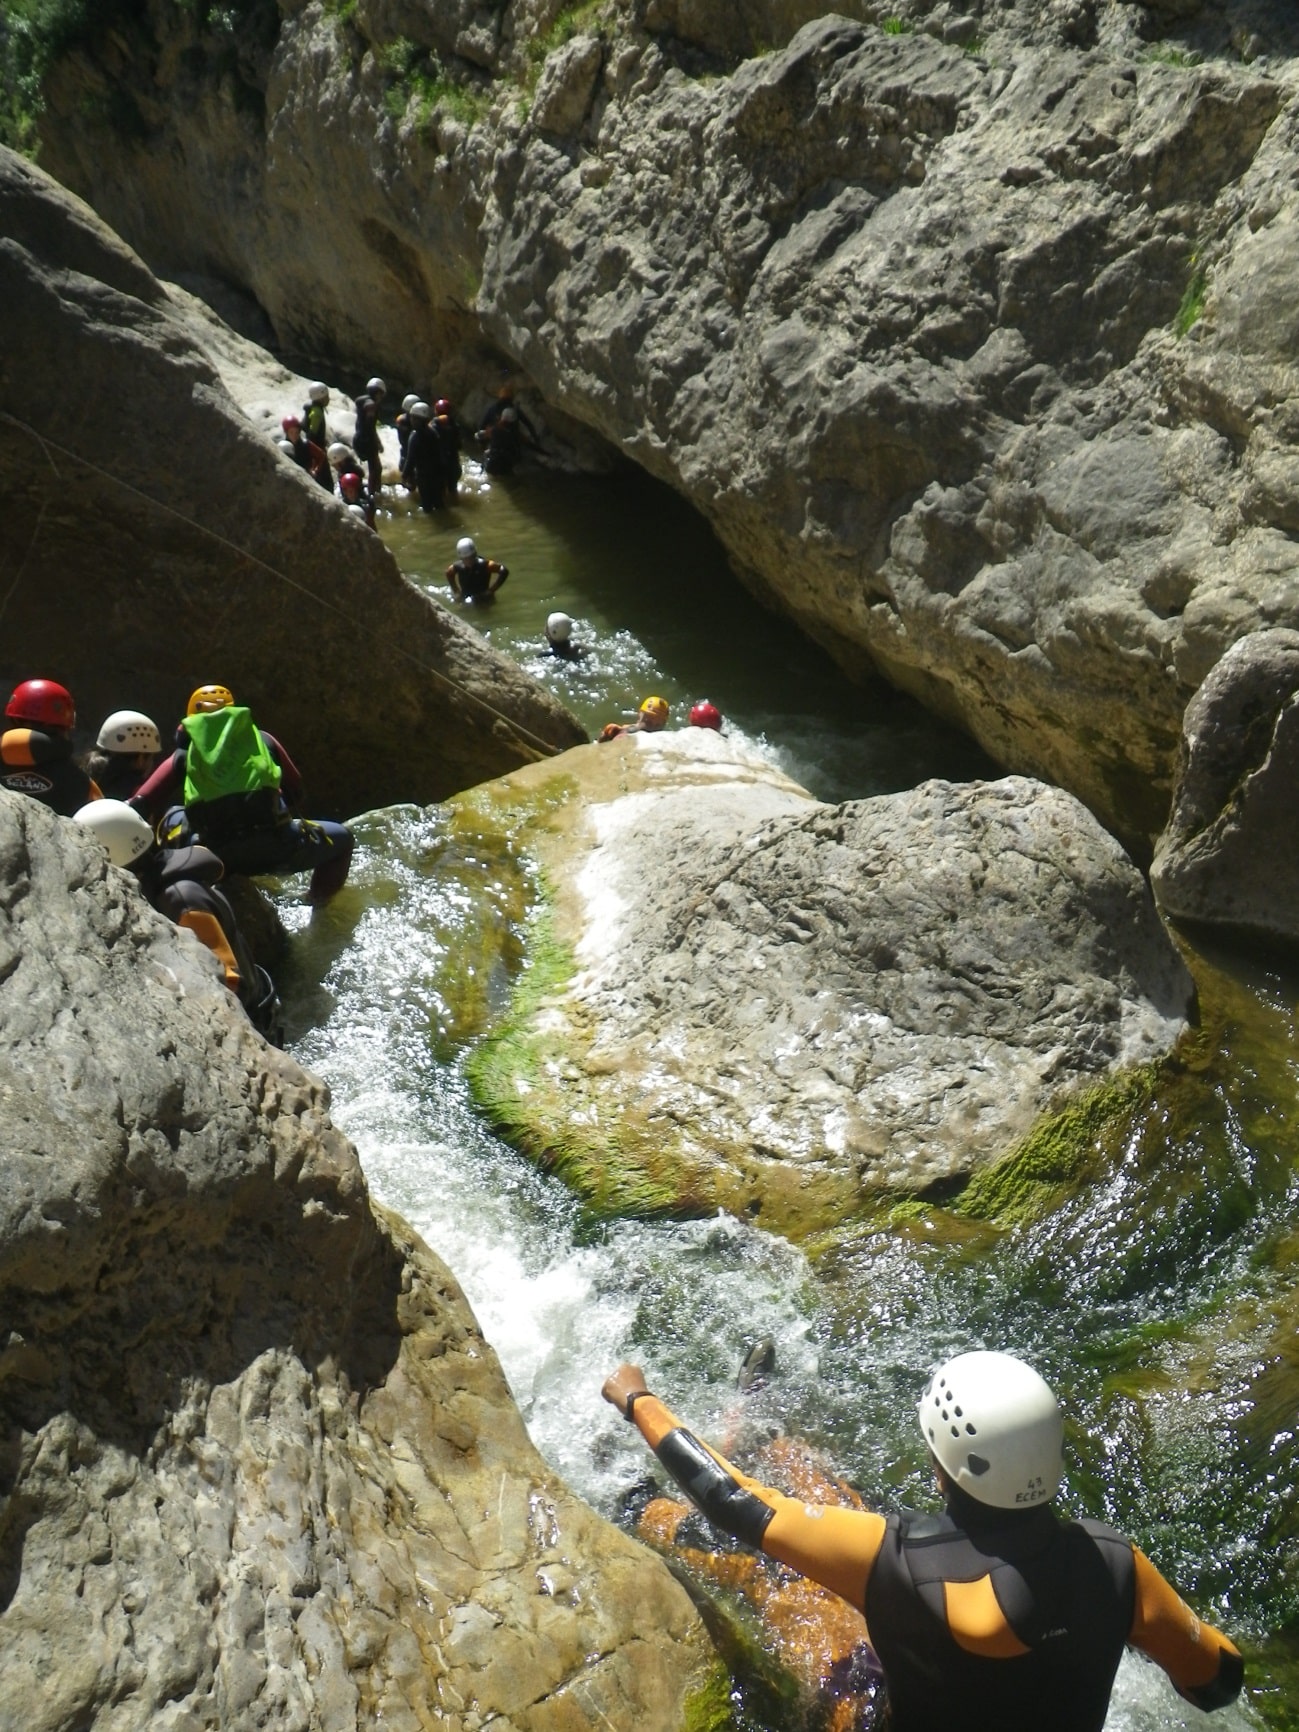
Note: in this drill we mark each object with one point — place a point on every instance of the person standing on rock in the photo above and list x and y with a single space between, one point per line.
365 440
473 578
997 1614
36 748
240 791
422 470
316 428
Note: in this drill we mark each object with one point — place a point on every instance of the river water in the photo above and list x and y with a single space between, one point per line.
1160 1300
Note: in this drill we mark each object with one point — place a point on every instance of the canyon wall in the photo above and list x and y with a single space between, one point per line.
970 329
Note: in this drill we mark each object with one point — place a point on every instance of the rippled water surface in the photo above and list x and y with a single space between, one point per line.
1160 1300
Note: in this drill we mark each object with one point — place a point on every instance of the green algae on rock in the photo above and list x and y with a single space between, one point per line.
738 998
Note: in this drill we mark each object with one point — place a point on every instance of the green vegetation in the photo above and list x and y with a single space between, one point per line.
1165 54
897 27
1193 300
418 75
35 35
709 1708
1058 1152
572 21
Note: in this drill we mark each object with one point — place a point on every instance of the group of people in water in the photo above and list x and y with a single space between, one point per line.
227 799
430 439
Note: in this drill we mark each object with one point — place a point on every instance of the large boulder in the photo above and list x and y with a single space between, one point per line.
741 997
1230 854
154 540
258 1466
965 327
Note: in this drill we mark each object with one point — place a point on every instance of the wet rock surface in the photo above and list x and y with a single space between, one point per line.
796 1010
1230 854
155 540
967 327
257 1464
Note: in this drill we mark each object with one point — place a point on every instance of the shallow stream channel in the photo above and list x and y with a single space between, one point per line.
1160 1296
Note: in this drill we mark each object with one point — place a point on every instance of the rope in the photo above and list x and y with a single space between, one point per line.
521 733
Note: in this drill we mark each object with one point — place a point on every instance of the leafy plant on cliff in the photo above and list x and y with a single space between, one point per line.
1193 300
572 21
419 76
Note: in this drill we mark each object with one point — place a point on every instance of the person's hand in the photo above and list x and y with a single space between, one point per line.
626 1380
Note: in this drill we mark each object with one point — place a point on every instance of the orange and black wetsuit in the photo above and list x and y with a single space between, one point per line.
40 765
1012 1621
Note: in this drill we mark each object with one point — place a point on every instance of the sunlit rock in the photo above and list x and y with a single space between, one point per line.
965 326
740 997
1230 854
258 1466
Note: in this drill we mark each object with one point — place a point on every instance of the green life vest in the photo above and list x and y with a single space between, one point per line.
226 755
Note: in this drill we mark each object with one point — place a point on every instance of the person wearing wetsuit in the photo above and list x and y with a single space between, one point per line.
502 431
181 883
473 578
315 428
998 1614
239 789
36 750
125 752
422 469
448 437
365 439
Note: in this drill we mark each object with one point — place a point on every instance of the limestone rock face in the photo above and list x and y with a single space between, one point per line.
788 1008
154 540
1230 854
971 336
258 1466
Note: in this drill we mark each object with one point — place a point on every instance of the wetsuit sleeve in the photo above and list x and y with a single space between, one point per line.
290 775
163 787
833 1546
1206 1668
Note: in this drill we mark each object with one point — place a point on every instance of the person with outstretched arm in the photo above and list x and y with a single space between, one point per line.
999 1613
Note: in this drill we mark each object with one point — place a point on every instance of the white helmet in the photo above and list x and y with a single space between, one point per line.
129 731
285 447
359 511
995 1428
338 453
420 412
375 387
558 627
119 827
465 548
318 391
409 402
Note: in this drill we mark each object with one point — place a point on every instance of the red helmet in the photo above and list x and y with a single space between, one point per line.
43 702
442 406
291 421
349 484
705 715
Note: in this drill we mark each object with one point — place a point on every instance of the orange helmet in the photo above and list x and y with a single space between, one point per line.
209 698
654 713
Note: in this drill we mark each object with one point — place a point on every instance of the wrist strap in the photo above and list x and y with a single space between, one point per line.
632 1399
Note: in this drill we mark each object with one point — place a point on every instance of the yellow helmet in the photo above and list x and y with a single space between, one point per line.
209 698
655 710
